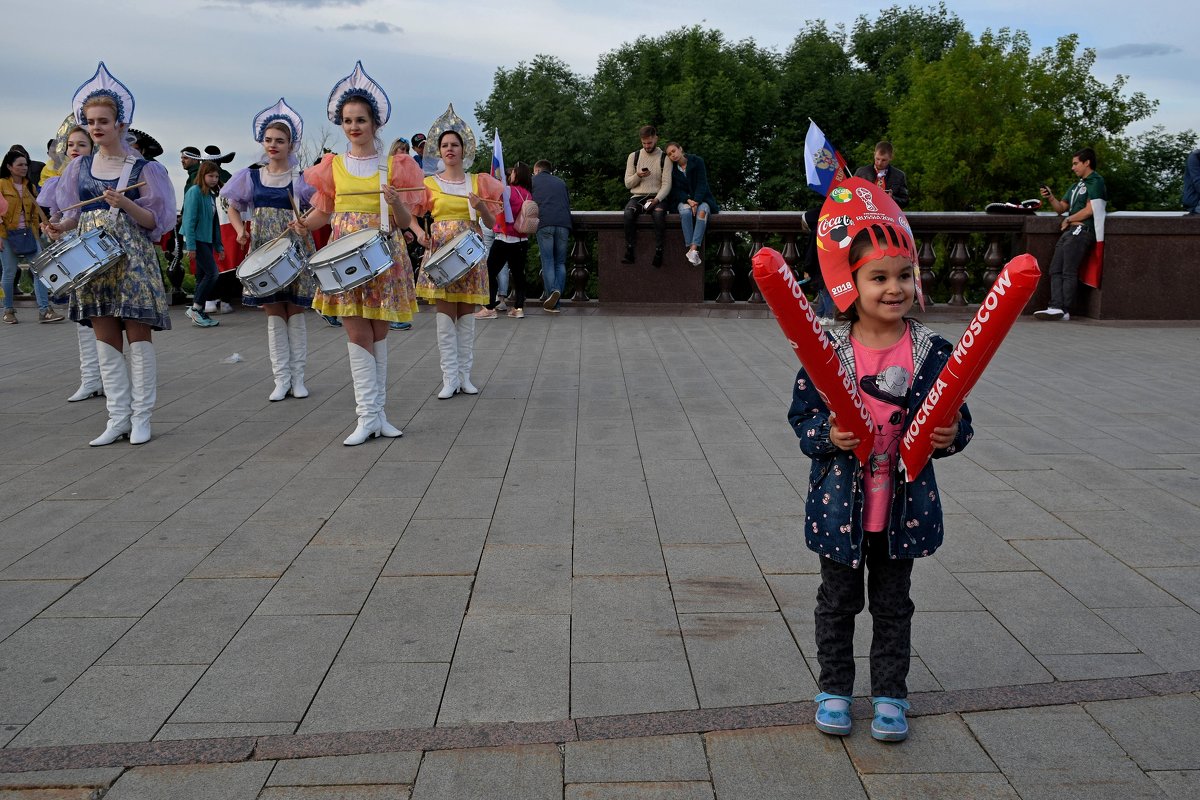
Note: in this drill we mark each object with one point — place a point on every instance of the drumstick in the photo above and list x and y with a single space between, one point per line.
399 189
83 203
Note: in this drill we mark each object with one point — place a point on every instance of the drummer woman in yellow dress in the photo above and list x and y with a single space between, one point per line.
351 195
458 202
270 194
127 301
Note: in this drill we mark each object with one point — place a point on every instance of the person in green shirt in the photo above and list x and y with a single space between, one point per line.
1078 233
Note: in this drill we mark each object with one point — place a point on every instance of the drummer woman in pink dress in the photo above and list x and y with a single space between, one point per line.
351 194
127 301
269 194
458 202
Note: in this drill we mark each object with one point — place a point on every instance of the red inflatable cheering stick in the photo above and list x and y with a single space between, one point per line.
799 323
975 349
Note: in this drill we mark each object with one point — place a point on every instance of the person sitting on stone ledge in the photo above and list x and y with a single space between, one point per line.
648 178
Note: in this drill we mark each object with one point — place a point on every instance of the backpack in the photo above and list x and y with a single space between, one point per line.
527 219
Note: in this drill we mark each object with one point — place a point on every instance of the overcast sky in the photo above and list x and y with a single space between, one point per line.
201 70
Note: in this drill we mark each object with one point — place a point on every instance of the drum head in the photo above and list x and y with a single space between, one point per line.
265 255
344 245
449 246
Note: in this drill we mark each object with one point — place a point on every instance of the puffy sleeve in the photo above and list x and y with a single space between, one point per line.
304 192
240 191
66 191
46 198
405 173
489 187
320 178
157 197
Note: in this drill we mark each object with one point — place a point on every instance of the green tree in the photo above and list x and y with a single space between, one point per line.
991 121
1145 173
885 44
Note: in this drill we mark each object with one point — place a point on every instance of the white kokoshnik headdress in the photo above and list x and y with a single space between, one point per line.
358 85
104 83
280 112
448 121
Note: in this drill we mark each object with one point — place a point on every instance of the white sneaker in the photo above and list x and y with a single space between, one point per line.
1050 313
226 308
501 306
210 307
694 257
1066 317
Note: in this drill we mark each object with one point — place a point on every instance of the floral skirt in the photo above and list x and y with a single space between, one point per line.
268 224
130 289
388 296
471 287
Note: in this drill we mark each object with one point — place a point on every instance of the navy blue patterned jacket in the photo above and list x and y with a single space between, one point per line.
833 511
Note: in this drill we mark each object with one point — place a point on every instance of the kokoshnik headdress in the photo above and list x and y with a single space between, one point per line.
853 206
358 85
58 150
449 121
104 83
280 112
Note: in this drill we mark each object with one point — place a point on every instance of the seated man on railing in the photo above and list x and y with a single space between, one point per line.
648 178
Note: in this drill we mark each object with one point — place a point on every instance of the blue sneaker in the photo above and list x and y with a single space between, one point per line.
333 322
889 726
400 326
832 717
199 318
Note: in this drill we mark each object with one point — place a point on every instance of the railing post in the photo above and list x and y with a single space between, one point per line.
579 272
725 273
959 256
756 244
791 255
993 259
926 258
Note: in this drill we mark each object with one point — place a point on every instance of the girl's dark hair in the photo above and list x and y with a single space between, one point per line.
522 176
10 158
453 133
205 168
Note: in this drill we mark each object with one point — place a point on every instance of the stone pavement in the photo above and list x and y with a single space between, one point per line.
587 581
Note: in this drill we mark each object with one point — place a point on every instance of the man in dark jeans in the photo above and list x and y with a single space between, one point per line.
1078 233
648 178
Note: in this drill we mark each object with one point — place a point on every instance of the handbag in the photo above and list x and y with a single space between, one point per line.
22 241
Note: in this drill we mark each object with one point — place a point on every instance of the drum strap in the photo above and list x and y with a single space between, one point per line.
385 224
122 182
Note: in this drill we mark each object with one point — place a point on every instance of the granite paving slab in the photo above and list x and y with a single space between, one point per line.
637 760
531 773
780 763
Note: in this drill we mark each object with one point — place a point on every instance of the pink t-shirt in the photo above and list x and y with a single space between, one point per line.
884 379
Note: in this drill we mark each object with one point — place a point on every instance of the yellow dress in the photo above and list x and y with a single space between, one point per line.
451 216
389 295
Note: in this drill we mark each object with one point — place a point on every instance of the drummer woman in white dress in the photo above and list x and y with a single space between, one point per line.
458 202
127 301
351 194
270 195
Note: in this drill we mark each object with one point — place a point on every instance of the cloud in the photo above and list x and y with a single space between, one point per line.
294 3
1139 50
378 26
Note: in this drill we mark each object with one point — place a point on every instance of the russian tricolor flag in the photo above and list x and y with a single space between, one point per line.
501 174
824 166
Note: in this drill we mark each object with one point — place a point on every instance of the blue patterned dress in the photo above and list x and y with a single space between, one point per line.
133 287
272 211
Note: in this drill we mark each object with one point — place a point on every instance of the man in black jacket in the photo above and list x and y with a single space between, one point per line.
885 175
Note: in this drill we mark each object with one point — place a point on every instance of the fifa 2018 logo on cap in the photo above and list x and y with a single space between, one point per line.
868 199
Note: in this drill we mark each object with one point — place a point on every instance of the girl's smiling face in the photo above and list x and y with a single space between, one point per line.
78 144
886 288
450 149
357 122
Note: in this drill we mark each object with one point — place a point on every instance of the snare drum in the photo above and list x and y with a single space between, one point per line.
455 259
351 261
271 267
74 260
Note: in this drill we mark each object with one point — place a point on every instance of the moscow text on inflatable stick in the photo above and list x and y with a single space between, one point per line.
799 323
979 342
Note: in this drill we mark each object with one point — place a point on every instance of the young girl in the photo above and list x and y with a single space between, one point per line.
269 195
511 247
126 302
870 519
201 238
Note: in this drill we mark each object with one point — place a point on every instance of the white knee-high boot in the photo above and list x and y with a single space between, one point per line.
115 375
89 366
143 374
366 392
385 428
298 340
447 335
466 352
281 356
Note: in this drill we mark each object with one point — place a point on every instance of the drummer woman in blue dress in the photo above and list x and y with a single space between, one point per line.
270 194
127 301
353 192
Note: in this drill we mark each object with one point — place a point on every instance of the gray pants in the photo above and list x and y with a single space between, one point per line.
840 600
1069 253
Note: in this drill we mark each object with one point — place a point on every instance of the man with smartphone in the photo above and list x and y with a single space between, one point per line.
648 178
1078 233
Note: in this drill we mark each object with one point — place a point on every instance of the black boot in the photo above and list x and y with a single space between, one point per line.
628 257
657 257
